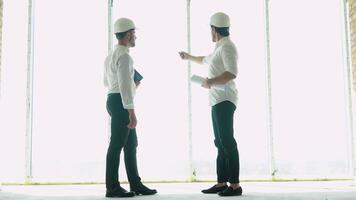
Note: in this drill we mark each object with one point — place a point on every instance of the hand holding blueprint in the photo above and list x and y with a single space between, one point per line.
199 80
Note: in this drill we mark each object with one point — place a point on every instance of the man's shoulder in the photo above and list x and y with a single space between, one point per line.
118 53
229 46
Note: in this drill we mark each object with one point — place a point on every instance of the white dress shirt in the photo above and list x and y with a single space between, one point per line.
224 58
118 75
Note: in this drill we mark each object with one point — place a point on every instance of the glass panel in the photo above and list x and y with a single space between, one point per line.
309 110
13 91
161 99
70 132
247 31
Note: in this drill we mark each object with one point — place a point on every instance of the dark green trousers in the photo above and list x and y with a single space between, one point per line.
227 161
121 138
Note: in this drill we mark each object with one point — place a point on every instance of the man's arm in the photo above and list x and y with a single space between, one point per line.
229 58
106 66
187 56
127 88
219 80
132 117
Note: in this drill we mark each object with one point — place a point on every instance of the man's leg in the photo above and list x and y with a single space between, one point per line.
118 137
131 158
221 160
131 166
225 117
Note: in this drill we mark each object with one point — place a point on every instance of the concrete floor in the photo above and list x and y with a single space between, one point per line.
329 190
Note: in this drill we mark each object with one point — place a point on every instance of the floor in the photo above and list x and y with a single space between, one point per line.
328 190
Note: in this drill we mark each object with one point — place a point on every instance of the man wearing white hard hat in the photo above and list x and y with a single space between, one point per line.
119 79
223 99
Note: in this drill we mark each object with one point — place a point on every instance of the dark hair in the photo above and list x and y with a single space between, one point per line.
121 35
223 31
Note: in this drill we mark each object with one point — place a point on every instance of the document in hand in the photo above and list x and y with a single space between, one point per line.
137 76
199 80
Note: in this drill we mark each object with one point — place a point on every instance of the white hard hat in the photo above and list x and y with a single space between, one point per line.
123 25
220 20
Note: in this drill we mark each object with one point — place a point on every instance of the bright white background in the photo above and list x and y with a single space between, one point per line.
70 132
70 126
13 91
309 114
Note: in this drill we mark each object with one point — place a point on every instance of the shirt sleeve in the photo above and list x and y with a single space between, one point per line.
229 58
106 65
207 59
126 84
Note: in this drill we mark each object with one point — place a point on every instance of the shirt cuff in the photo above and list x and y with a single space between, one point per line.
129 106
232 72
204 60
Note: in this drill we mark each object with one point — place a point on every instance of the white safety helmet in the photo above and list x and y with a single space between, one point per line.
220 20
123 25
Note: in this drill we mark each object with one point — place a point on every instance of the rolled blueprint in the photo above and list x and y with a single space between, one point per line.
199 80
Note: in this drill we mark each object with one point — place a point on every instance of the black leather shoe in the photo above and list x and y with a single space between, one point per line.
214 189
231 192
142 189
119 192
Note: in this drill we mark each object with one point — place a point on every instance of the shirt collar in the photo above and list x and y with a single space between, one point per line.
222 41
122 48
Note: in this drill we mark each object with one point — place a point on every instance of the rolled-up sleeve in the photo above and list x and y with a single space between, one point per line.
229 58
126 84
207 59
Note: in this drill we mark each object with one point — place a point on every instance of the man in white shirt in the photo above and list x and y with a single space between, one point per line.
118 78
223 99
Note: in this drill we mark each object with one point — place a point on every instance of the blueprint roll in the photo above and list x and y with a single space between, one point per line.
199 80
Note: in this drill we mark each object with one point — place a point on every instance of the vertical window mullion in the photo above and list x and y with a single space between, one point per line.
272 163
29 97
348 86
190 133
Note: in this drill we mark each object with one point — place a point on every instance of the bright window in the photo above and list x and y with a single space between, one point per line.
308 89
71 124
70 131
13 91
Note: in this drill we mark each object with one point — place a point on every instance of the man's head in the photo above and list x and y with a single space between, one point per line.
124 30
220 24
